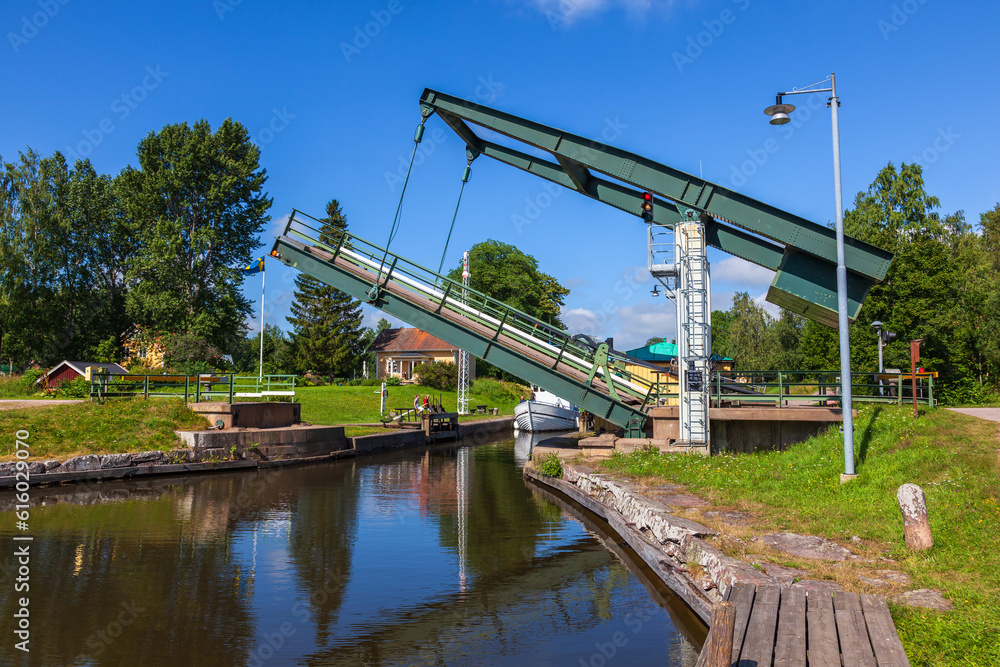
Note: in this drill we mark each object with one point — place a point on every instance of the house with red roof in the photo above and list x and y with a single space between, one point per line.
399 351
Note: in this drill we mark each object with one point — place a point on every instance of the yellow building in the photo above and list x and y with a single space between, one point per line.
657 363
399 351
143 348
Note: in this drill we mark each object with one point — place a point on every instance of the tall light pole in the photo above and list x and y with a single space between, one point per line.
779 116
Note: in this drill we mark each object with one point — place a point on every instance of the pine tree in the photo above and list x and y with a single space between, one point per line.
327 332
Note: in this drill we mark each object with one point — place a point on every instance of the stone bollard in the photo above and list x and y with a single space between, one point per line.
916 526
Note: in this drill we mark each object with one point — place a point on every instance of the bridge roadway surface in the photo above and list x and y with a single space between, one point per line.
349 271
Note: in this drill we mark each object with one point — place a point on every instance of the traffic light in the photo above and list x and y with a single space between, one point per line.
888 336
647 206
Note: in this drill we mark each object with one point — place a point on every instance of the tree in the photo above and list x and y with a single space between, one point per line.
786 337
61 256
327 333
721 319
368 337
197 206
654 340
979 300
279 358
747 338
189 353
918 297
505 273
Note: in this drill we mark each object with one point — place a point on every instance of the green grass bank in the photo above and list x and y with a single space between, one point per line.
64 431
953 457
61 431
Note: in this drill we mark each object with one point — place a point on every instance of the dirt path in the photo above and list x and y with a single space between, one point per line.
18 404
992 414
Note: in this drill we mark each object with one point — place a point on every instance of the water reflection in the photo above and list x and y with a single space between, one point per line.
438 556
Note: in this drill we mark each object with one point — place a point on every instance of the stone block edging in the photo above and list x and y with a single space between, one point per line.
671 545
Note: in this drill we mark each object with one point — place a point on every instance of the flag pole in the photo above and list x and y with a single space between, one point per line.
260 368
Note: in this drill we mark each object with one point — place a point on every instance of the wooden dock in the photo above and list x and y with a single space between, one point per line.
785 626
439 425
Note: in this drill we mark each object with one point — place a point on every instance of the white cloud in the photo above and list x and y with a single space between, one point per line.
741 275
373 315
770 308
584 320
630 326
565 12
277 227
639 323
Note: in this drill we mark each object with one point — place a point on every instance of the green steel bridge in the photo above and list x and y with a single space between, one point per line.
588 376
800 252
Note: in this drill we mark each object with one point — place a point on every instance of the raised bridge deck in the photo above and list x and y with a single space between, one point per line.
781 625
484 327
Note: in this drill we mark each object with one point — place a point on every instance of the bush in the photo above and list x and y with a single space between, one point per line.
550 466
15 386
438 375
966 391
371 382
392 381
78 387
194 367
498 391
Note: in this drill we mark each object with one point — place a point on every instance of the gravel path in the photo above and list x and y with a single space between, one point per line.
993 414
15 405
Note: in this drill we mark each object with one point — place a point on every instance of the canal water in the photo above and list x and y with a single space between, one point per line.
443 556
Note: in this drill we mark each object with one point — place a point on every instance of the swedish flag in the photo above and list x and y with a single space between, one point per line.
253 267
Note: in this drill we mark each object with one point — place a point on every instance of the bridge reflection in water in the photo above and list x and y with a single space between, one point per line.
438 556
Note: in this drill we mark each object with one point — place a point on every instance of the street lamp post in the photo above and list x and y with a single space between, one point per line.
779 116
877 325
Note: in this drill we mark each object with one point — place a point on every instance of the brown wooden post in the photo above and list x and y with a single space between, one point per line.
720 639
914 358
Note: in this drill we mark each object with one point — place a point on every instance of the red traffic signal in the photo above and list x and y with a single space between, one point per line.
647 206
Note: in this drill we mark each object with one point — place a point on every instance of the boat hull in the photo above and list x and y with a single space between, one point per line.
535 416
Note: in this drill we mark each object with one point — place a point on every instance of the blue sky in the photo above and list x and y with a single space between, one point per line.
682 82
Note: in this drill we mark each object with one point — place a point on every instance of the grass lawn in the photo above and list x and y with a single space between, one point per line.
63 431
119 426
360 405
953 457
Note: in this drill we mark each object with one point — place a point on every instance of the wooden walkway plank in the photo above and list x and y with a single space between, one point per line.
824 649
742 597
885 641
758 645
854 643
790 644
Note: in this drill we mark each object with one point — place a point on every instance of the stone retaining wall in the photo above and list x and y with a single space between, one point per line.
671 545
214 450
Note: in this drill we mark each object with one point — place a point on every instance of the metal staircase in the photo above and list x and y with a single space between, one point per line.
577 370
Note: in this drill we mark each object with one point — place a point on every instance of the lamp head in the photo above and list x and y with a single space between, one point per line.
779 112
876 325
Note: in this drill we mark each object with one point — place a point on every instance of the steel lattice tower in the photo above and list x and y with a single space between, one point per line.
463 356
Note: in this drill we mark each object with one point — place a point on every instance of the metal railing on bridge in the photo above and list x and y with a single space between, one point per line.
227 387
534 350
785 388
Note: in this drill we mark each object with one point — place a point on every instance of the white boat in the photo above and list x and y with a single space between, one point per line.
547 412
526 441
